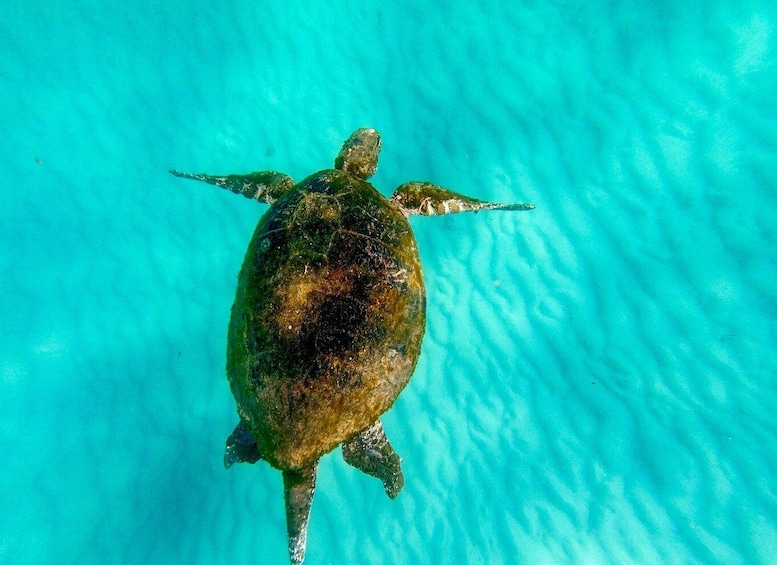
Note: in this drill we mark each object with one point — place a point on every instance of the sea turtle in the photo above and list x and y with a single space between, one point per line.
327 323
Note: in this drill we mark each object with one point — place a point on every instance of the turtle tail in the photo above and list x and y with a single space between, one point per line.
298 489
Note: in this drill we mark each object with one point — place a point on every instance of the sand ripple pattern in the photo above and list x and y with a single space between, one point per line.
597 383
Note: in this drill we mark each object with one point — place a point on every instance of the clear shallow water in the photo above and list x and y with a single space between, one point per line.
598 378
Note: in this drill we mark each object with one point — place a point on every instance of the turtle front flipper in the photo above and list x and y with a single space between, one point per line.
241 447
428 199
370 452
264 186
298 489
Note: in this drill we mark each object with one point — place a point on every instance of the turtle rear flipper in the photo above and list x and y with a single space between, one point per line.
428 199
370 452
298 489
241 447
264 186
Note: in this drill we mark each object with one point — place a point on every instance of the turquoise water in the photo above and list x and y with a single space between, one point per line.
597 383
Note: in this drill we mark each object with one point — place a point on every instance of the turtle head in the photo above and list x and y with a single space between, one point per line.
359 155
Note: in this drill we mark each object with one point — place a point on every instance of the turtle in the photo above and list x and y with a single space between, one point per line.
328 319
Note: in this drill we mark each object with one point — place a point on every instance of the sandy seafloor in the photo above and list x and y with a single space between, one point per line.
598 378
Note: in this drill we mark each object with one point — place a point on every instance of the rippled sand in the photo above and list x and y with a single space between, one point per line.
598 377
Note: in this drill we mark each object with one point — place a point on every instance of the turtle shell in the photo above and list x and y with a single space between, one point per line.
327 323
